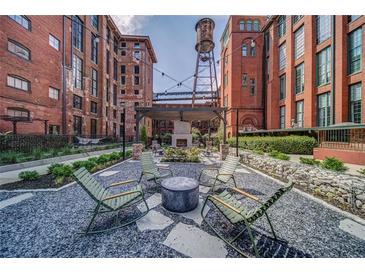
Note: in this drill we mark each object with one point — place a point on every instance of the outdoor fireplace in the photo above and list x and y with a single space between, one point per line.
181 142
182 135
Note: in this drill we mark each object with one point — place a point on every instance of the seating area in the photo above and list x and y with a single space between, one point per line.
255 216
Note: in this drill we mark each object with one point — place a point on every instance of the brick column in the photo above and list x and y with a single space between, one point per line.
224 149
137 151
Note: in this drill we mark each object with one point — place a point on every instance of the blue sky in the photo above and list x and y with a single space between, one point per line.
173 39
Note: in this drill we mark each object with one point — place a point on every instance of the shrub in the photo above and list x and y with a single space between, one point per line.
279 155
115 155
258 151
102 159
9 157
332 163
144 137
61 172
53 166
181 155
287 144
361 171
89 165
309 161
32 175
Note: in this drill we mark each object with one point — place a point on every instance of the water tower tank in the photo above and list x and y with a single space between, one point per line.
204 35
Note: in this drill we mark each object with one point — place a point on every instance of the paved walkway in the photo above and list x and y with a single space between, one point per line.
12 176
45 224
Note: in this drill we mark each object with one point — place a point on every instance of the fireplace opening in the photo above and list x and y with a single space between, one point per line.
181 142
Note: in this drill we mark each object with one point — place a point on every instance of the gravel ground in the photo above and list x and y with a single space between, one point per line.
46 225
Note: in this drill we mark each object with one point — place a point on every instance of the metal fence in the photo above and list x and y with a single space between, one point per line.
342 138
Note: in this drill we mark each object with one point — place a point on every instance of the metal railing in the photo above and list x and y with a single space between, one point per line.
345 138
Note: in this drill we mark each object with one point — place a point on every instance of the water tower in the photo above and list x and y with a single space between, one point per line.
205 77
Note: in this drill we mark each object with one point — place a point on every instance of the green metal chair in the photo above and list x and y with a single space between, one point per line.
150 171
108 202
223 175
237 214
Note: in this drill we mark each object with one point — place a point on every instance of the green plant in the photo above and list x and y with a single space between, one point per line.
181 155
332 163
53 166
279 155
292 144
61 172
258 151
361 171
144 137
9 157
32 175
89 165
309 161
103 159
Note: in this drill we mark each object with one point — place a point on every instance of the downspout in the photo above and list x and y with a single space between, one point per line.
264 78
333 71
63 76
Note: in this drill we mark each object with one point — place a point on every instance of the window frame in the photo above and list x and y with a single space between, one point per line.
299 43
77 102
94 48
22 79
22 47
93 19
327 72
350 63
51 39
282 117
94 82
351 117
301 83
299 122
77 71
50 88
323 33
281 25
23 18
282 86
282 60
77 33
326 108
93 107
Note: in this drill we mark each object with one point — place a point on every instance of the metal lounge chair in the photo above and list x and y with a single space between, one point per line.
237 214
224 174
150 171
108 202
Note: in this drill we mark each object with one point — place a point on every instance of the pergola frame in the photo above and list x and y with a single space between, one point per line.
183 113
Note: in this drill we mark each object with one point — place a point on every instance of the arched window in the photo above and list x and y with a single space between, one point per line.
256 25
242 25
249 25
244 49
225 57
252 49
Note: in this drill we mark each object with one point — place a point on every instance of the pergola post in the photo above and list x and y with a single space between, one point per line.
14 127
137 126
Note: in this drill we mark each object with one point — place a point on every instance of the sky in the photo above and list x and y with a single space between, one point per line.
173 39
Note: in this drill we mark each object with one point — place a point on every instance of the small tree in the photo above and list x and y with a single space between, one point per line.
144 137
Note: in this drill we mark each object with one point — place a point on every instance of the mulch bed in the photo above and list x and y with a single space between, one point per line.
45 181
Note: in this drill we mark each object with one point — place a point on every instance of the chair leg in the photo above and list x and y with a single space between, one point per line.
96 211
252 238
140 178
234 181
238 235
272 228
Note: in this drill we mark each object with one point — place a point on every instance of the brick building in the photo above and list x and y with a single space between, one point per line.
241 72
64 73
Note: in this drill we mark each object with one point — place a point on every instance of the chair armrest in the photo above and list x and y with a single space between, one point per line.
252 197
121 183
121 194
223 174
210 197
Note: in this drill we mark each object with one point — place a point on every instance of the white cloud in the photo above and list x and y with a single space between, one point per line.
130 24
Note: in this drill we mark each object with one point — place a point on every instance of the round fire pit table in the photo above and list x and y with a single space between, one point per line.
180 194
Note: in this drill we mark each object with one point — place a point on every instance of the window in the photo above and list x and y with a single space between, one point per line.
282 87
123 69
77 71
107 61
114 129
226 36
252 87
114 95
354 51
93 127
137 55
249 25
281 25
123 44
18 49
53 93
136 80
54 129
225 80
323 27
77 33
256 25
115 69
107 90
94 82
252 50
136 91
123 53
324 66
122 80
244 80
352 17
94 48
136 104
95 21
106 111
282 117
299 113
54 42
115 45
136 69
299 42
18 82
122 91
299 79
93 107
282 56
22 20
136 45
108 35
77 125
244 49
296 18
242 25
18 112
355 103
323 110
77 102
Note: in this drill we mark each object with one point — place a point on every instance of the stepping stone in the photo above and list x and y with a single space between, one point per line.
15 200
194 242
204 189
108 173
195 214
242 170
353 228
133 161
153 221
152 202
